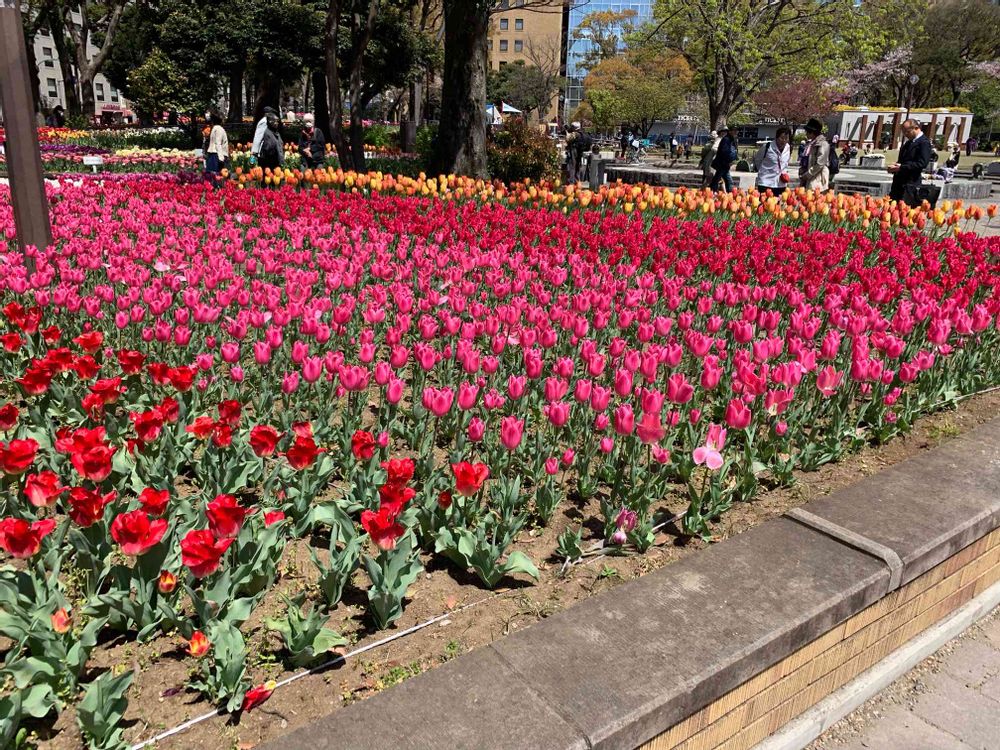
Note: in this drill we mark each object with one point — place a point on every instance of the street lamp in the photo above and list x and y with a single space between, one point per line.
24 161
914 80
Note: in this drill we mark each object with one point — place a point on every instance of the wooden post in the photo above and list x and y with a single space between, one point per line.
877 135
24 160
895 131
932 128
862 132
946 130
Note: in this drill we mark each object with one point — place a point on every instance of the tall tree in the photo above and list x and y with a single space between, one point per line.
735 46
639 87
98 26
792 99
604 33
461 139
528 87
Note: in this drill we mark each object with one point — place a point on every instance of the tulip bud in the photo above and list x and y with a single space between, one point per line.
61 621
199 645
167 582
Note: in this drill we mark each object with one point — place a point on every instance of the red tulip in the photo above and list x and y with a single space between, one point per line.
302 453
18 456
229 412
257 695
469 478
167 582
199 644
363 445
272 517
382 527
263 440
43 489
8 417
22 539
398 470
202 552
154 501
86 507
61 621
148 424
202 427
90 342
225 516
136 533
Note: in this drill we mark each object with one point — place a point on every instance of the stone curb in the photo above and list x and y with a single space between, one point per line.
619 668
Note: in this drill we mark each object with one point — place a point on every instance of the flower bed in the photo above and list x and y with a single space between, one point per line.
201 385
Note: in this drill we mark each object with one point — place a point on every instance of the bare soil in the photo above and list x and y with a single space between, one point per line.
158 700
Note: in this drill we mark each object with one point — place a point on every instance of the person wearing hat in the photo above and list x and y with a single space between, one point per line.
708 152
258 133
723 162
914 156
814 168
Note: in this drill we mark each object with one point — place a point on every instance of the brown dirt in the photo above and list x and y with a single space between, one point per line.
158 700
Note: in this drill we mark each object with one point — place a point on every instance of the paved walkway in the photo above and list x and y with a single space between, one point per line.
950 701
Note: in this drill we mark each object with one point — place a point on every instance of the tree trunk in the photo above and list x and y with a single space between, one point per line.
33 77
87 104
321 106
461 141
235 113
267 95
335 96
66 67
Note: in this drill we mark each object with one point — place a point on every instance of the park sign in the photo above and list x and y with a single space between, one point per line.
24 161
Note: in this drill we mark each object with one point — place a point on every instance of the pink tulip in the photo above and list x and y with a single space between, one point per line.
511 431
624 420
828 380
738 416
476 430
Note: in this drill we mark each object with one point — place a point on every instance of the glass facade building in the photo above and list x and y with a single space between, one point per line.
576 48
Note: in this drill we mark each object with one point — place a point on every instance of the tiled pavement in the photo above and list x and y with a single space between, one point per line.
951 701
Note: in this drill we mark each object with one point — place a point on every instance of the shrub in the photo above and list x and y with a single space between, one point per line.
382 136
519 152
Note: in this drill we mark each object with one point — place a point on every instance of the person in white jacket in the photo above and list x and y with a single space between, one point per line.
771 163
217 153
258 133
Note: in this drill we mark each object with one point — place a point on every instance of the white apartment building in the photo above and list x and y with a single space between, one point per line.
52 87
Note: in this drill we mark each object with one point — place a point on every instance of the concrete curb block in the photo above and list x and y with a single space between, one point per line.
622 668
798 733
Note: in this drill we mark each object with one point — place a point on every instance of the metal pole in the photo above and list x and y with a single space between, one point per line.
24 160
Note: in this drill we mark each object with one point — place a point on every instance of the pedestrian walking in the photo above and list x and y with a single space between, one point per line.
970 145
624 139
708 152
723 162
272 149
312 144
914 157
217 152
673 146
771 162
258 133
814 168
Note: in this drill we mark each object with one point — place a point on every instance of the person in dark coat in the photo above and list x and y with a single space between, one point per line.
914 157
272 149
312 145
723 161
